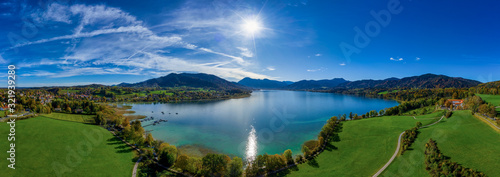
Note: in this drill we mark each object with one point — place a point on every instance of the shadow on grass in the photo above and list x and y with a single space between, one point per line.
330 147
114 140
285 172
125 150
119 145
313 163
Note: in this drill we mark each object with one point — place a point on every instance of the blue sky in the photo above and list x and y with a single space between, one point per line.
63 42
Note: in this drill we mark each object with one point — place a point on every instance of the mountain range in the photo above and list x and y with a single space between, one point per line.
200 80
264 83
213 82
422 81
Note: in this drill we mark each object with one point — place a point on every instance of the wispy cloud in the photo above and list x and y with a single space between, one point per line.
55 12
418 59
314 70
342 64
137 29
318 55
105 40
271 68
2 60
245 52
38 73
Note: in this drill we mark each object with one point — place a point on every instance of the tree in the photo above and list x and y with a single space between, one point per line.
99 119
448 104
214 164
275 162
182 162
288 155
350 115
149 139
419 124
166 158
305 151
235 168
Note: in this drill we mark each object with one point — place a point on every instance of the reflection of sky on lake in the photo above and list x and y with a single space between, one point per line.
282 119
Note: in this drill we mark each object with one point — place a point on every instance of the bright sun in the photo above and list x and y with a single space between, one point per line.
251 26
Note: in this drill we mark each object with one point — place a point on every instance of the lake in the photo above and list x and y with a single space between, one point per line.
268 121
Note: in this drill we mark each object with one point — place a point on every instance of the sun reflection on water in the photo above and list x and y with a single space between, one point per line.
251 149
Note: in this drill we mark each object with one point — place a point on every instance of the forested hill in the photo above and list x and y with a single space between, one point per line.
199 80
423 81
264 83
315 84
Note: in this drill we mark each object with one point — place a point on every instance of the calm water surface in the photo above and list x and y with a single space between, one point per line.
267 121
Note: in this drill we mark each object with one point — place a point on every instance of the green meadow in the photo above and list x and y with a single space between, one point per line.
365 146
462 137
493 99
50 147
72 117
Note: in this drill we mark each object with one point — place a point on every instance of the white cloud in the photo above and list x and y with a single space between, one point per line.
314 70
418 59
271 68
245 52
342 64
318 55
396 59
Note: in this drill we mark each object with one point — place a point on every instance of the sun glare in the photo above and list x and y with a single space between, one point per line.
251 26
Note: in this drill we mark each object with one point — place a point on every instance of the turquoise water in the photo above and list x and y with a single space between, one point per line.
267 121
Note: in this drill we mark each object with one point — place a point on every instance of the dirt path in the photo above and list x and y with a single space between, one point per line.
486 120
134 172
397 150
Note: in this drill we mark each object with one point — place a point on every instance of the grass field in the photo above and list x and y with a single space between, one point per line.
421 111
493 99
462 137
72 117
46 147
364 147
385 92
161 92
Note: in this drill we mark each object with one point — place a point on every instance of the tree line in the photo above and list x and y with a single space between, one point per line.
439 165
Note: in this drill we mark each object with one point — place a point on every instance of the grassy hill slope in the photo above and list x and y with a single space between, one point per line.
364 147
45 146
462 137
